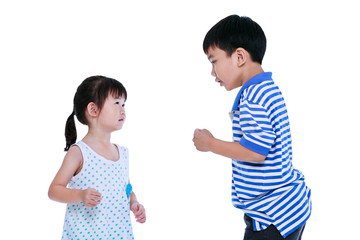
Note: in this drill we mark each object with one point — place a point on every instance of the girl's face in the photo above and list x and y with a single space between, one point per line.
112 115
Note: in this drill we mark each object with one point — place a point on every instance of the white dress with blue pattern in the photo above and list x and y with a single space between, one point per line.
111 218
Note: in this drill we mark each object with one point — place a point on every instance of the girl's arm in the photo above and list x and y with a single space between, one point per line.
137 208
58 190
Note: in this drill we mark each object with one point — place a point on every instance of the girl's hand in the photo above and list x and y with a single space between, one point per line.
90 197
139 212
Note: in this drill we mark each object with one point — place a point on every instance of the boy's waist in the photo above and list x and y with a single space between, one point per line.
251 183
248 194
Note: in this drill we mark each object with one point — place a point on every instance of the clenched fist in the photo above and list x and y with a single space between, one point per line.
202 139
90 197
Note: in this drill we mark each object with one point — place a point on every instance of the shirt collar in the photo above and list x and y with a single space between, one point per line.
254 80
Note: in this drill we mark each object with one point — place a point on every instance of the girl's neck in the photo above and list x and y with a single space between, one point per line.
100 143
97 136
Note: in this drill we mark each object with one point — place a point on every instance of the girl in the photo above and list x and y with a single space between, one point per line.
94 177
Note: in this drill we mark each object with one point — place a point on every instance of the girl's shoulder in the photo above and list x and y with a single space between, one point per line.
121 148
124 151
73 159
74 152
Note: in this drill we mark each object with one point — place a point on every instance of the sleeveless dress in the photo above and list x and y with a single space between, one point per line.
111 218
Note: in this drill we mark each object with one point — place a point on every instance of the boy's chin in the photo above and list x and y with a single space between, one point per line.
228 88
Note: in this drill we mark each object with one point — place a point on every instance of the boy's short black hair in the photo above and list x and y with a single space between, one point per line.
233 32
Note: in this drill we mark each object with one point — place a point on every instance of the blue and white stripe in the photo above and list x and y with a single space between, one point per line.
272 192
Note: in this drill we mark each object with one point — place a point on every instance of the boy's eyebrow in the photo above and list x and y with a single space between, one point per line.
210 56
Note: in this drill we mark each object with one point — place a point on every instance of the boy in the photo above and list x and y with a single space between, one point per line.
273 194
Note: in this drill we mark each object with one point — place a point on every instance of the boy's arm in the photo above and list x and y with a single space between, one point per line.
204 141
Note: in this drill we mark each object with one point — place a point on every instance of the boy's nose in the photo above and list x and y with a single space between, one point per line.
213 73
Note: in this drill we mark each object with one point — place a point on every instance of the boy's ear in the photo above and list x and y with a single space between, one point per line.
241 56
92 109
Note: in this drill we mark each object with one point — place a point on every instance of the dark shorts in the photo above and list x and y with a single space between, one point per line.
270 233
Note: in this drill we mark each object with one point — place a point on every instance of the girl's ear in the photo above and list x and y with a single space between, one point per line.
92 110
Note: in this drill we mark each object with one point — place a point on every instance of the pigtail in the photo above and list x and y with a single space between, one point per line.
70 131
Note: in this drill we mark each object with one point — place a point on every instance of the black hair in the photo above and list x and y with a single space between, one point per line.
93 89
233 32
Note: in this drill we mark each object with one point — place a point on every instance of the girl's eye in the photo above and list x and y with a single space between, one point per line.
118 103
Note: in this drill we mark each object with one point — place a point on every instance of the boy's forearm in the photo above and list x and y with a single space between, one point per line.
235 150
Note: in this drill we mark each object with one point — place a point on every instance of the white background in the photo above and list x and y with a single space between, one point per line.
155 49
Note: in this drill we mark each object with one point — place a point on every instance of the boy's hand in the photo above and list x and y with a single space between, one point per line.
139 212
202 139
90 197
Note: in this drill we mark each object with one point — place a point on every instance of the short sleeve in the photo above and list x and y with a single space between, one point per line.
258 135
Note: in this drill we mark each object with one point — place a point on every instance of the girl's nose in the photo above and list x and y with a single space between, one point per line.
122 111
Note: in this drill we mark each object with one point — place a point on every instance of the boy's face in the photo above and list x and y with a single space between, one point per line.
225 68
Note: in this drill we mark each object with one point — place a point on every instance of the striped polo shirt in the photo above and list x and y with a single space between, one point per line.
270 192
